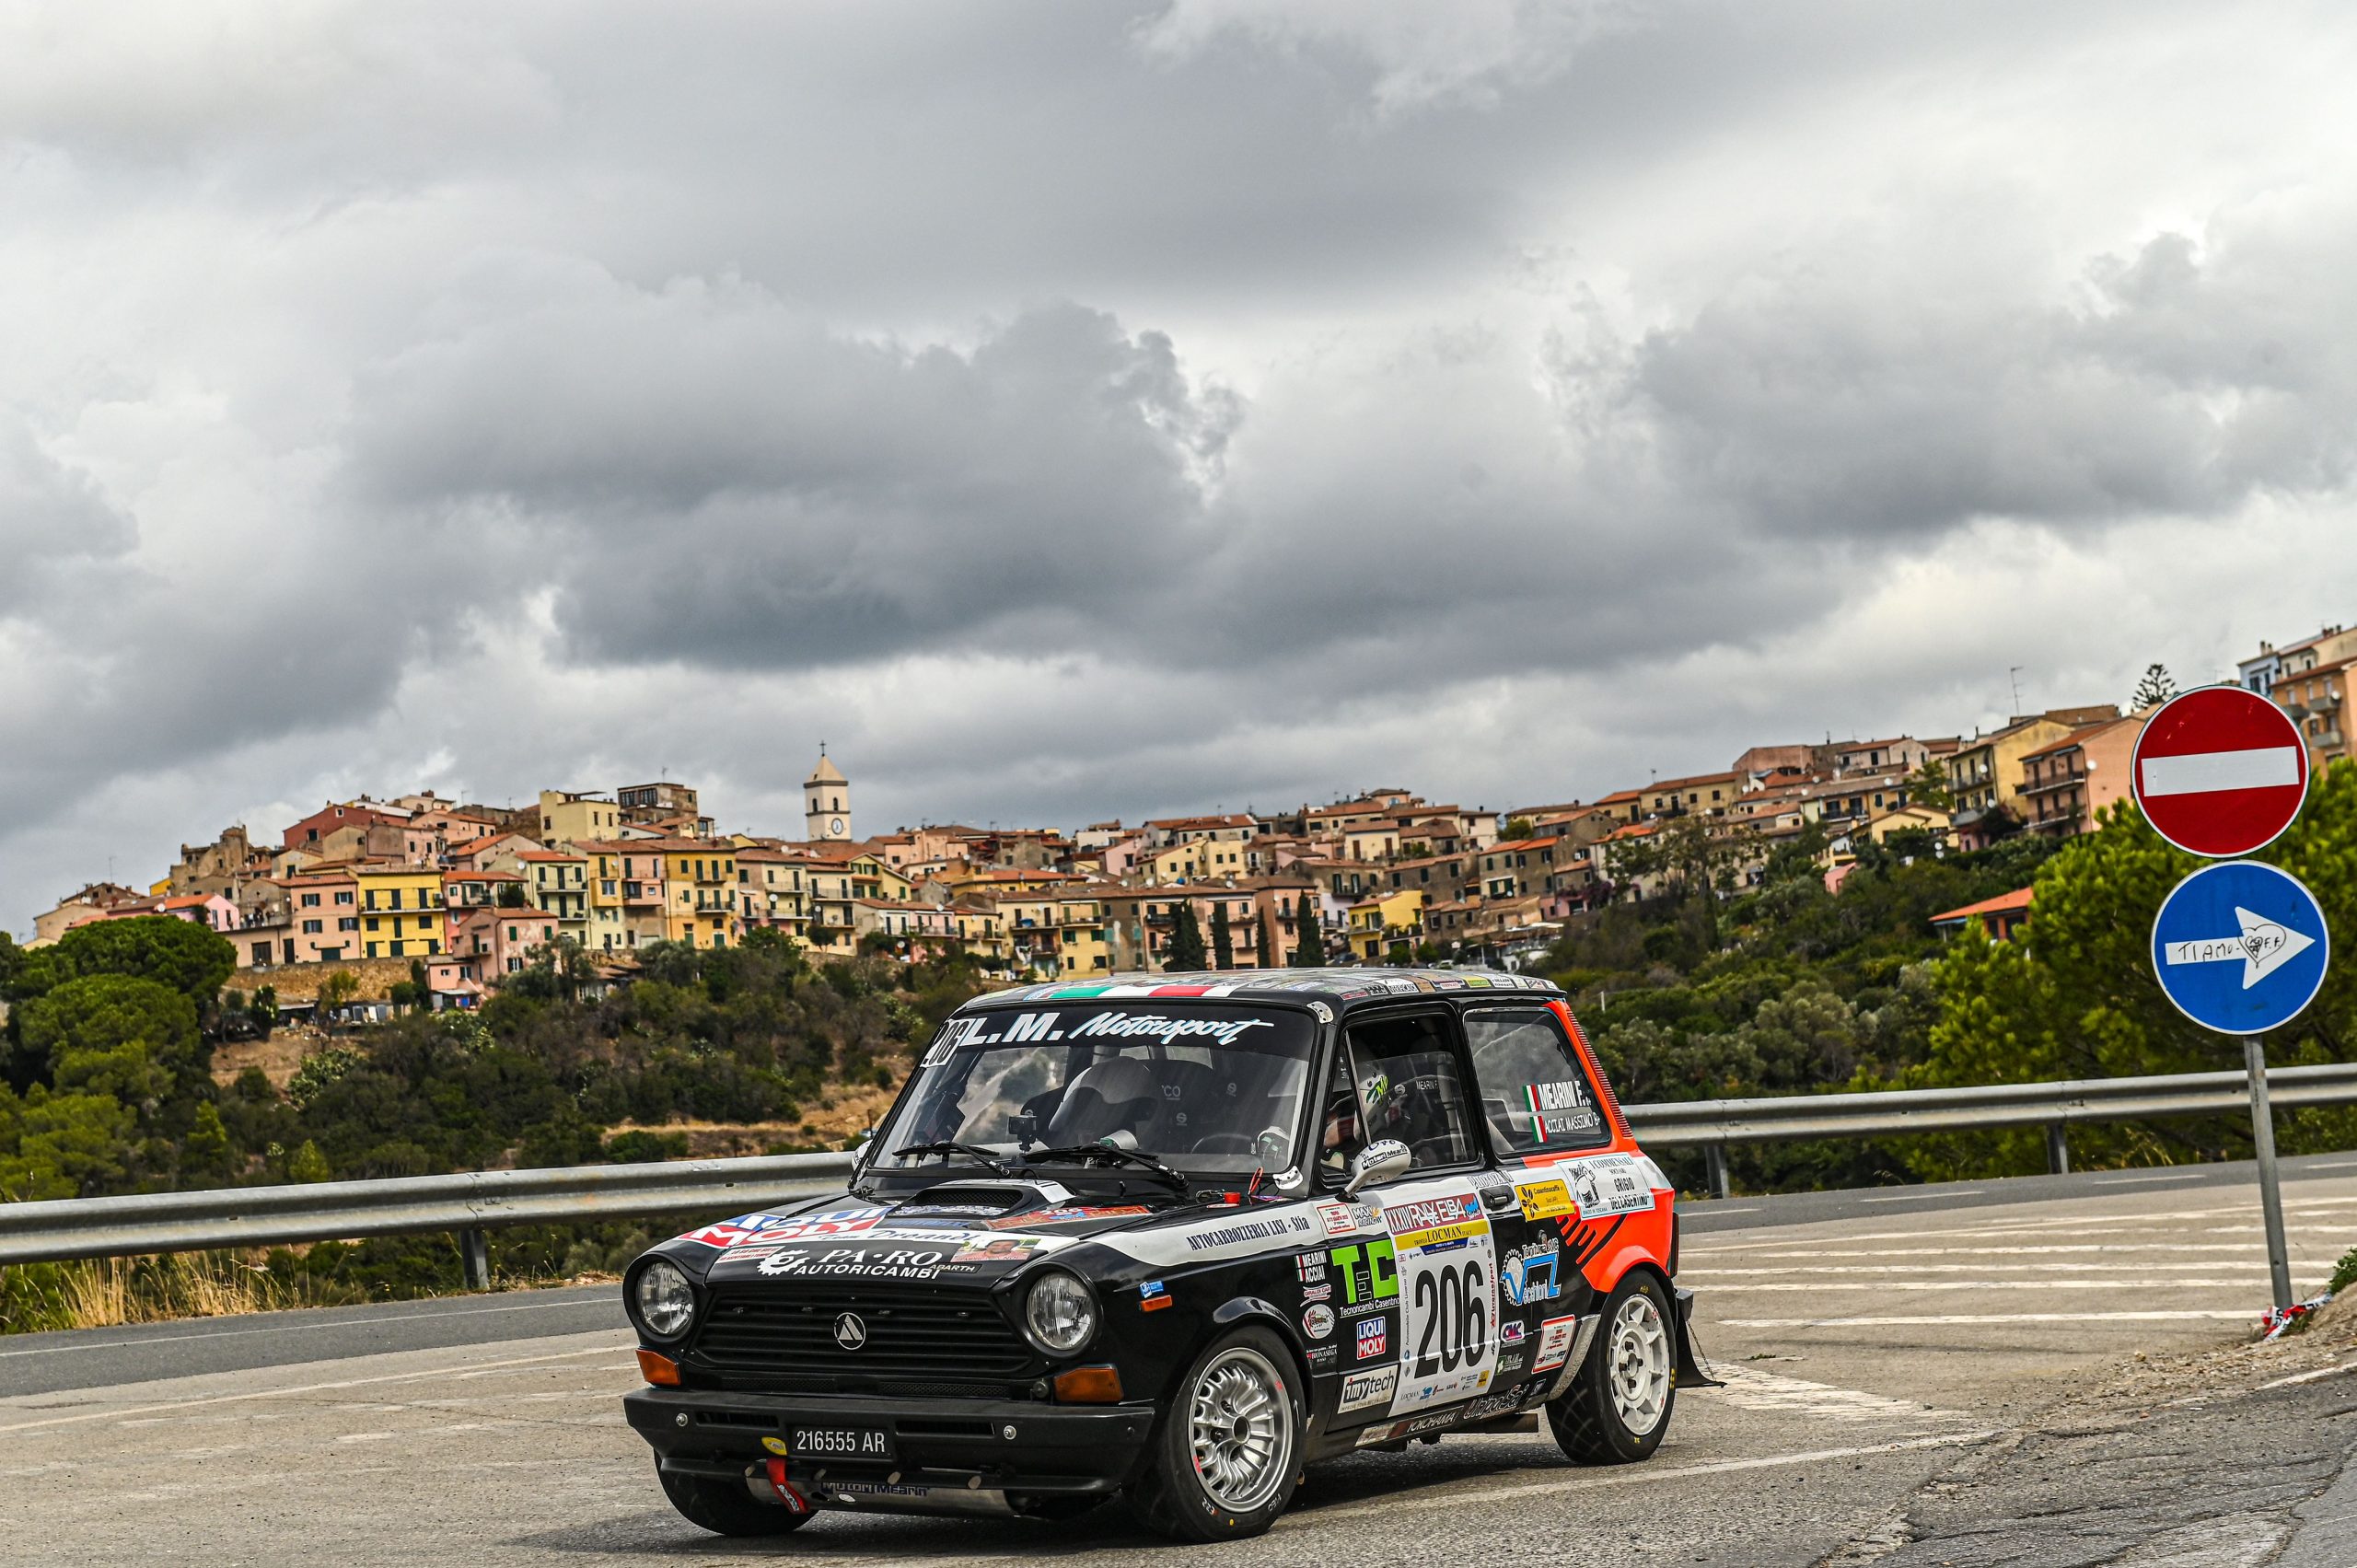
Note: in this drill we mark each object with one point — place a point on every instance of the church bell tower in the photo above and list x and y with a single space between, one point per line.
825 801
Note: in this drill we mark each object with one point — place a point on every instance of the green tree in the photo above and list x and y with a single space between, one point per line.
207 1157
189 958
263 1010
1928 785
1516 828
61 1145
307 1164
511 896
116 1034
1223 940
1309 951
1186 951
2155 688
1264 943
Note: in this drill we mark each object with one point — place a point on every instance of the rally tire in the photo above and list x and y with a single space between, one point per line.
1617 1409
724 1507
1227 1456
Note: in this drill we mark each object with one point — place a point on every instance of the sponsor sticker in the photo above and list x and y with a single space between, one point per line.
1375 1339
1554 1342
1312 1266
1431 1224
1609 1184
1490 1405
1527 1273
1546 1200
1323 1292
1362 1389
1317 1321
1066 1216
1510 1333
998 1250
1370 1271
788 1227
856 1262
1321 1358
1152 1296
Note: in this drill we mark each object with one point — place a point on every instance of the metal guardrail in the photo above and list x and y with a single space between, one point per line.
469 1203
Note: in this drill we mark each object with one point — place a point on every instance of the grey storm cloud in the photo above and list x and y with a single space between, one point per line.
1078 409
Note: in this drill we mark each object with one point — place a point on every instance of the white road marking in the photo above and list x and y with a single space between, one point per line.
299 1328
2076 1266
2008 1284
2139 1180
1751 1388
462 1370
1623 1476
2237 1248
2318 1375
2178 1316
1922 1197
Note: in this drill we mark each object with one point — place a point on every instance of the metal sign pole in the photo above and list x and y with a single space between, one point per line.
2270 1193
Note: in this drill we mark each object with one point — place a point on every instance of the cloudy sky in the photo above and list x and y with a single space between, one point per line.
1072 409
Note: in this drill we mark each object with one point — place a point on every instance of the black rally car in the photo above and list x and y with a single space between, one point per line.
1174 1237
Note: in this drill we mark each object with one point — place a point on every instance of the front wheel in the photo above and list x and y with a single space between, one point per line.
1617 1409
724 1507
1227 1456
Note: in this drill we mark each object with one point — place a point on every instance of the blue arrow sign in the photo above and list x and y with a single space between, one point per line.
2240 947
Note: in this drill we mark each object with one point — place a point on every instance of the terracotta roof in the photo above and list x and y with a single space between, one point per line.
2003 903
2079 736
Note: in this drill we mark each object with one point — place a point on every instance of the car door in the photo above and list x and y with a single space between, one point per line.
1537 1104
1426 1318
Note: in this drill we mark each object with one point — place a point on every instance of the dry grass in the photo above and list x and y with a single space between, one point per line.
101 1292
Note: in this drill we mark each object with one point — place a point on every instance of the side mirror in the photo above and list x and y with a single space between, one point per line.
1387 1159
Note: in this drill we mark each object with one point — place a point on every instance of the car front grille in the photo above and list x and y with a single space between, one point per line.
783 1336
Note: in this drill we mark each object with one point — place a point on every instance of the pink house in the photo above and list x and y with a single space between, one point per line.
199 909
488 943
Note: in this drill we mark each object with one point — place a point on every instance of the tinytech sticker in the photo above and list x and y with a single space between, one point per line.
1362 1389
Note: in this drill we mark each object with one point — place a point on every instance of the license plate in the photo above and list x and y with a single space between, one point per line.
850 1443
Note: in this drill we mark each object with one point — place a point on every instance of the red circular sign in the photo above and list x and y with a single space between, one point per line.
2220 772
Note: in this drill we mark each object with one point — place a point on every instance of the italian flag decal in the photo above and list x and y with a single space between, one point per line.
1538 1117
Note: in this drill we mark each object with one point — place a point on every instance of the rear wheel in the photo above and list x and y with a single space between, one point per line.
1227 1456
724 1507
1617 1409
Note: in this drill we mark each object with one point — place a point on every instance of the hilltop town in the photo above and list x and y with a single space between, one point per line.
465 894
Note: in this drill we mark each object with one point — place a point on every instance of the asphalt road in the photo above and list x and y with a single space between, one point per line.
1877 1345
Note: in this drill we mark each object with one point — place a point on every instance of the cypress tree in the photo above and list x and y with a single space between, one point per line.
1310 953
1264 944
1223 941
1186 941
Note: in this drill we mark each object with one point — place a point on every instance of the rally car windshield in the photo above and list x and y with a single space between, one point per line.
1211 1088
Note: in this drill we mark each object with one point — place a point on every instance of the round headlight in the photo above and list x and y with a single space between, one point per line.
667 1304
1060 1314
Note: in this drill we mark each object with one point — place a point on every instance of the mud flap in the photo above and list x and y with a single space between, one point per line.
1693 1368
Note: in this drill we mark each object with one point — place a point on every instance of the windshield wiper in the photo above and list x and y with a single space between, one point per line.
981 1156
1139 1157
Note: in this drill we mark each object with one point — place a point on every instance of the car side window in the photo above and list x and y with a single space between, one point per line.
1409 1088
1535 1095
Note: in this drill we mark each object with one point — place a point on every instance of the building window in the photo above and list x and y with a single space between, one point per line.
311 927
346 923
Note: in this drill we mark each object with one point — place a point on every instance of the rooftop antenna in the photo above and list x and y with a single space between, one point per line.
2014 674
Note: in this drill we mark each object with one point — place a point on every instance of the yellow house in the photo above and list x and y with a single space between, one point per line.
981 927
567 818
1378 923
400 911
557 880
771 890
1196 860
699 878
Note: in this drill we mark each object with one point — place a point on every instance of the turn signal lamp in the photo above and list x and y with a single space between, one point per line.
1089 1386
658 1368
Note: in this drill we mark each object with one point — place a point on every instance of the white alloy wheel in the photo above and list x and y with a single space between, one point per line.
1639 1362
1240 1430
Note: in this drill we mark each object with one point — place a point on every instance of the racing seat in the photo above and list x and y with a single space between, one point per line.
1117 1095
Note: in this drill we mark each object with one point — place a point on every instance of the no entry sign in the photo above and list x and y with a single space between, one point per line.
2220 772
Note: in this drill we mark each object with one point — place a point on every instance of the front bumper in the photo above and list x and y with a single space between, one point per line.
989 1446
